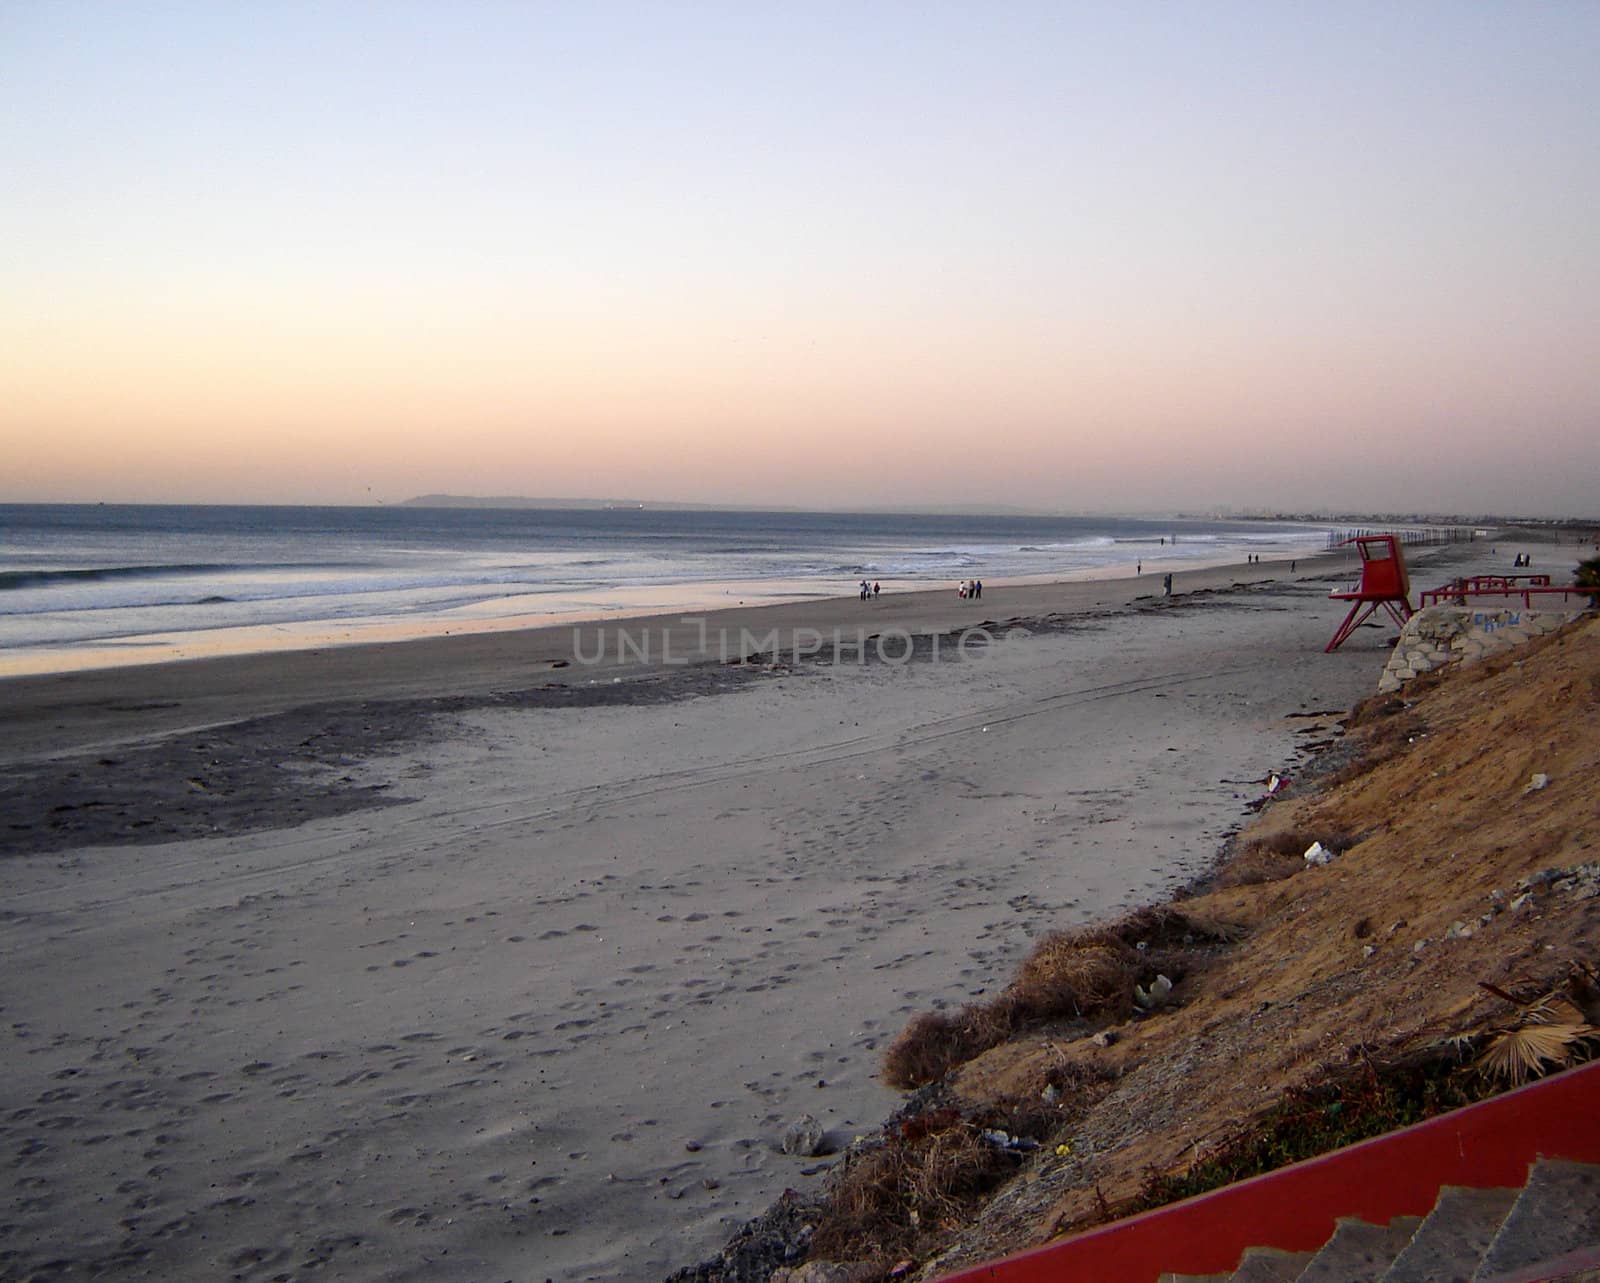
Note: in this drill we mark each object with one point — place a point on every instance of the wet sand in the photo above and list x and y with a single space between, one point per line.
532 981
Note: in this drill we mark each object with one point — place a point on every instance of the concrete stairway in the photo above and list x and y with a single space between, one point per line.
1549 1229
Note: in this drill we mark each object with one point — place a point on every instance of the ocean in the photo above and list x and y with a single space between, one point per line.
95 585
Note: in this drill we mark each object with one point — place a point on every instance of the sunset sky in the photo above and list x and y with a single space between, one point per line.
1081 257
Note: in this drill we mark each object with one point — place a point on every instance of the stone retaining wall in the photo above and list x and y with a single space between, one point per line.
1443 634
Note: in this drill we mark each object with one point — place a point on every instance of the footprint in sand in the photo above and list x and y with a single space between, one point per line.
267 1256
58 1123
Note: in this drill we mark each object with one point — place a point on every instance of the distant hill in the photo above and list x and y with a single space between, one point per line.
666 505
524 501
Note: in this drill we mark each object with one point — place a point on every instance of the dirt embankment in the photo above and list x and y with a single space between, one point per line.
1463 822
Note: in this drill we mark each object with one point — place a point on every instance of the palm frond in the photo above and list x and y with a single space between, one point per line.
1553 1009
1532 1050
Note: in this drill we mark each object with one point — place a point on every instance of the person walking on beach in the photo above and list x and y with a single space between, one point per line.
875 587
977 588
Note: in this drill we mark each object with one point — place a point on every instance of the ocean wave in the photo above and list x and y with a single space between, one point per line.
244 594
912 564
10 580
1317 536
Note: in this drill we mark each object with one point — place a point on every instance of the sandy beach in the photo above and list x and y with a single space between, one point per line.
473 959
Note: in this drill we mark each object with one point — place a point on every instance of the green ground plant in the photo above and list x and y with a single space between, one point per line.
1316 1119
1588 575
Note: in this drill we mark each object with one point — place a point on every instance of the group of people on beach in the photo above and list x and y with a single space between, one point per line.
967 588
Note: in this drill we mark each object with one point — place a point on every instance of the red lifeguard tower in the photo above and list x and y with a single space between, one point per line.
1384 582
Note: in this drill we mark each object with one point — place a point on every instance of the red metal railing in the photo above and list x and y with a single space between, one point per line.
1526 587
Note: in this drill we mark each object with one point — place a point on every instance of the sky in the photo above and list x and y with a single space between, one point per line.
1096 257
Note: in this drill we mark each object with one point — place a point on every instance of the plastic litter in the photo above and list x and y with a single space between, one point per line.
1316 854
1153 997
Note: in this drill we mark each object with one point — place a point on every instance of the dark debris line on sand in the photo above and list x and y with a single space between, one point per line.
270 772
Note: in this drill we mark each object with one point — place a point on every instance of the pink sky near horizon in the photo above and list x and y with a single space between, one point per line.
1077 263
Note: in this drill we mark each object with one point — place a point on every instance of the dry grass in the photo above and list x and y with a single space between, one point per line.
904 1195
1374 708
934 1043
1295 842
1084 975
894 1199
1275 857
1254 866
1069 978
1162 926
